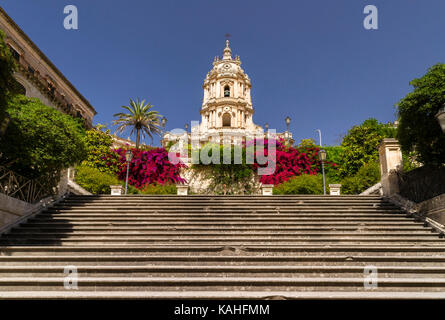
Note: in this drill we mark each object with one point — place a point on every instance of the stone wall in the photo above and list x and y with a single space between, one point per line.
199 181
12 209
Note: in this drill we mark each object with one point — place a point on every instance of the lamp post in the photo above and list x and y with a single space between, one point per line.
440 116
322 156
266 126
288 119
128 157
163 123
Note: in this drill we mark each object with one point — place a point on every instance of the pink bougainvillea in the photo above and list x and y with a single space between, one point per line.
289 161
148 167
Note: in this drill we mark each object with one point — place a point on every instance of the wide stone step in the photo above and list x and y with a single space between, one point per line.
227 283
200 249
225 219
225 235
217 295
222 271
76 228
149 215
224 260
233 241
228 208
259 224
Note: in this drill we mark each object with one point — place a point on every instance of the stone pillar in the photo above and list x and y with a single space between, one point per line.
116 190
62 187
334 189
267 189
182 189
390 156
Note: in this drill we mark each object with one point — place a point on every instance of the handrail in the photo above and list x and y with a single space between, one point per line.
22 188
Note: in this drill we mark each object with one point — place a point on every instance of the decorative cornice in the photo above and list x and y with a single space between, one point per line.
45 59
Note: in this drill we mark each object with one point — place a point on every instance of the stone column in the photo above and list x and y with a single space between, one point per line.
62 187
390 156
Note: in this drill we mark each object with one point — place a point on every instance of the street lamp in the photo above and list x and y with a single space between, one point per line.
440 116
128 157
287 125
266 126
163 123
287 122
322 156
186 127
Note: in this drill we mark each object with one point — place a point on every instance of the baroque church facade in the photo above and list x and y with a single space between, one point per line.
227 110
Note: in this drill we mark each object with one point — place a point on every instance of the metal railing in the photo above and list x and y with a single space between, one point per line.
422 184
28 190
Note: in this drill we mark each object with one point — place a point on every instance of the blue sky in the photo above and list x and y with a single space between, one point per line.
311 60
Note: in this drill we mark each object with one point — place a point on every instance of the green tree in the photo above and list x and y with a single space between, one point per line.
7 81
419 130
40 139
99 155
335 155
361 143
367 176
304 184
140 118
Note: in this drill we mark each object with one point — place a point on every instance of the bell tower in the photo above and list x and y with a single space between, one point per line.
227 104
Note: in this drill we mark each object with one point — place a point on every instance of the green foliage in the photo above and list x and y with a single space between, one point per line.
367 176
140 119
7 81
230 178
40 139
95 181
418 129
159 189
99 155
360 145
304 184
334 154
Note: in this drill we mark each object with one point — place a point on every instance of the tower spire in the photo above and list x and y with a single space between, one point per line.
227 52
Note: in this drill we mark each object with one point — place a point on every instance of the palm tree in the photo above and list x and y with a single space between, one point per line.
140 119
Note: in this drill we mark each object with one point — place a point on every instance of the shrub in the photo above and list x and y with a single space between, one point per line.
99 155
419 129
303 184
148 167
95 181
361 145
366 177
39 139
159 189
232 178
290 161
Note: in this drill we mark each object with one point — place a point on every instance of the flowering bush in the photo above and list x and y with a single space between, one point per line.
289 161
148 167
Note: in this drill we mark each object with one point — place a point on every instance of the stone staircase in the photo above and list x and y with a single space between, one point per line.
223 247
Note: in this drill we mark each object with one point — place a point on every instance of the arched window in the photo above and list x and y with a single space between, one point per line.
226 91
227 120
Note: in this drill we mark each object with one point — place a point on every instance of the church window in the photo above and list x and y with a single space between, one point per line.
227 120
226 91
14 53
